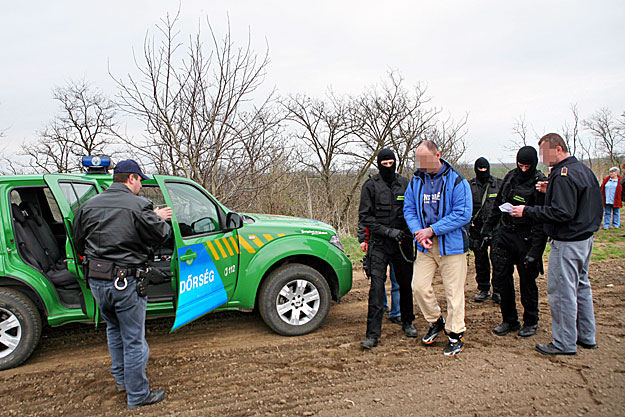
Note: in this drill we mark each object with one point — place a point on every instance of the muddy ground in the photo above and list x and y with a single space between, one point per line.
231 364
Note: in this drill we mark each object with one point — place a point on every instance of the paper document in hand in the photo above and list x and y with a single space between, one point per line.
506 207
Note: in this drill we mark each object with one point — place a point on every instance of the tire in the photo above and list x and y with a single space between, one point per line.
20 328
294 300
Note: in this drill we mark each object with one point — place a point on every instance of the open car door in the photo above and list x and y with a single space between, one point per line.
207 253
70 192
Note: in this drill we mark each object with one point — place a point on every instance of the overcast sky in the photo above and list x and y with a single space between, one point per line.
496 60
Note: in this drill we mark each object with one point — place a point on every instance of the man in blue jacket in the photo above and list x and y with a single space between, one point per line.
437 208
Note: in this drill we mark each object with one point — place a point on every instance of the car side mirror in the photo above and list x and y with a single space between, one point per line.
233 221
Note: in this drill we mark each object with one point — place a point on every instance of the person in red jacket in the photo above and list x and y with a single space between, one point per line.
612 191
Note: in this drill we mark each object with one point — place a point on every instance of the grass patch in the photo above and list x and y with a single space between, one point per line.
352 248
601 253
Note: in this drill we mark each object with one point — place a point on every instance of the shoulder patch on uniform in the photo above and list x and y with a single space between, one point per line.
564 172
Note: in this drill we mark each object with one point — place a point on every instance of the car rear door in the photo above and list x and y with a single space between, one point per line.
70 192
207 253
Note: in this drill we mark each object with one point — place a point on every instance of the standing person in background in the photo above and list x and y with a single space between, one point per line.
437 208
519 242
381 211
612 191
394 314
484 188
571 214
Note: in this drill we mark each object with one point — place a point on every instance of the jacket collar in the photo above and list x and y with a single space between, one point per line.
564 162
119 187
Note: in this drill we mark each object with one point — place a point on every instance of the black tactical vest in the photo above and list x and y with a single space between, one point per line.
520 191
389 201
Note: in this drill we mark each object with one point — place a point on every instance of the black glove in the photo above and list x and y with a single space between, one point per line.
395 234
530 262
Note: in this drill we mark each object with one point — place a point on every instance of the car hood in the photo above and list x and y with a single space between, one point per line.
287 225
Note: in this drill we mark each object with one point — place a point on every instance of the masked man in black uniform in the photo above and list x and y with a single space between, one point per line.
517 241
381 211
484 188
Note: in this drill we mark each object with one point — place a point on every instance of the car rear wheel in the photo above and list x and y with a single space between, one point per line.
20 328
294 300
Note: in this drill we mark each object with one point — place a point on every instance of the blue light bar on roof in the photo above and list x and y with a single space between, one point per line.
96 161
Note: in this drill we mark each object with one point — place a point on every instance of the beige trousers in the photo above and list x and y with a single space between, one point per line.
453 269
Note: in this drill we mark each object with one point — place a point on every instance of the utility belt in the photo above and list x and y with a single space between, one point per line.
109 271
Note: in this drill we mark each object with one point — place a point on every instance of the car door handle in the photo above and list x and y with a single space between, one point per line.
188 257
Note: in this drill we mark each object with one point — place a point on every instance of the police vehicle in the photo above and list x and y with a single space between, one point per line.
287 268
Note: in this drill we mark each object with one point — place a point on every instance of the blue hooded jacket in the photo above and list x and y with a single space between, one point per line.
454 210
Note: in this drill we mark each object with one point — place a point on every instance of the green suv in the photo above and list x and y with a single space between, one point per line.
288 268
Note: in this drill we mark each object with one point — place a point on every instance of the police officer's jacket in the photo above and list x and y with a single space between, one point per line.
573 208
483 191
119 227
517 189
381 206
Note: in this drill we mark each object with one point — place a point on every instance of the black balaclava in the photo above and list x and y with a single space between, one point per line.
482 176
387 173
527 156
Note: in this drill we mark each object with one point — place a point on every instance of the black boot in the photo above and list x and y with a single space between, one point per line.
482 296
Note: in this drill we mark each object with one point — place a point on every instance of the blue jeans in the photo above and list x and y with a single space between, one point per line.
124 313
395 312
612 215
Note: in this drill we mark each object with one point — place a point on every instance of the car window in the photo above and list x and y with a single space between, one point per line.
77 193
154 194
54 207
195 212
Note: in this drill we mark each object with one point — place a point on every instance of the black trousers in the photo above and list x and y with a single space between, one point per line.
509 249
482 260
381 253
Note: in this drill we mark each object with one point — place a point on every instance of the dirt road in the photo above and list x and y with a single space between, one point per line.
231 364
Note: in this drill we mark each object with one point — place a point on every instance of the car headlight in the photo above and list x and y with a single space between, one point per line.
337 242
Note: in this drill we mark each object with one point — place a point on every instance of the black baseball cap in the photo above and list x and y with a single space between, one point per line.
130 166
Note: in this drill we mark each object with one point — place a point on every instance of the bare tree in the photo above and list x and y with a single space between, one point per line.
323 130
571 131
196 102
608 133
578 145
85 125
450 137
520 138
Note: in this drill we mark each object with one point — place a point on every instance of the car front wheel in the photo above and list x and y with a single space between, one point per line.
294 300
20 328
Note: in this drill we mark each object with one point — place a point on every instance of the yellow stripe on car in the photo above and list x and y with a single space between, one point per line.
221 248
246 245
213 251
234 244
227 245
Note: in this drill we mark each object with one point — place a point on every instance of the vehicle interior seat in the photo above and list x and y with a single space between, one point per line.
30 245
44 232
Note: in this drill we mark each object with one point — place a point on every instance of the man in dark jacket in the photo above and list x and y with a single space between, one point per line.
484 188
571 214
519 242
381 211
114 231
